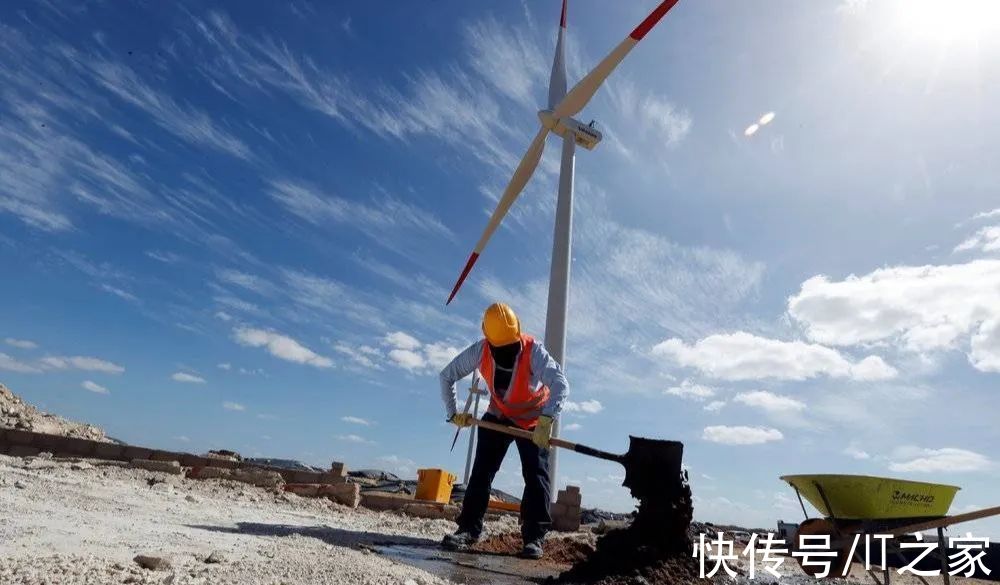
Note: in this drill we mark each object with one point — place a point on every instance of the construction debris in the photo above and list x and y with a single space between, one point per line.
566 511
258 477
152 563
17 414
171 467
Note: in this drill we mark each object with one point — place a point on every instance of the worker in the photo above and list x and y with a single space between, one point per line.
527 389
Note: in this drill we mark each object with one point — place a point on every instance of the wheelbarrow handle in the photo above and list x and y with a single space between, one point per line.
555 442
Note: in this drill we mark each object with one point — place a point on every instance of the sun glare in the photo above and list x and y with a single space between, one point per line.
948 21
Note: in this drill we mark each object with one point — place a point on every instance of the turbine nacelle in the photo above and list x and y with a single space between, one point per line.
584 135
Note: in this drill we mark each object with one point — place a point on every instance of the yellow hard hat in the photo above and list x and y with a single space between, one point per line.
500 325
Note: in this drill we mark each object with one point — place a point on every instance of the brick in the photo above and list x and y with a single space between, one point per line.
23 451
131 453
570 498
385 501
557 509
348 494
331 478
306 490
432 510
171 467
109 451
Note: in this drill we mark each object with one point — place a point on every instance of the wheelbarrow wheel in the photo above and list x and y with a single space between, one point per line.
824 527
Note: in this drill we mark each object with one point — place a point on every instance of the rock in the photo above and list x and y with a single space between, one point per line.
20 485
410 582
192 499
163 488
171 467
348 494
152 563
215 557
80 466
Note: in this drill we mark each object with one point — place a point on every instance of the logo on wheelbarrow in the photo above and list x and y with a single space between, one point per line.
912 498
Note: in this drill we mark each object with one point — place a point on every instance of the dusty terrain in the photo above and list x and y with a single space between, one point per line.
65 523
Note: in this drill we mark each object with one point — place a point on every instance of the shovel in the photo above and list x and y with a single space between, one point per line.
652 466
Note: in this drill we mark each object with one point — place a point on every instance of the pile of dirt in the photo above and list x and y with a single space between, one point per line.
563 551
18 414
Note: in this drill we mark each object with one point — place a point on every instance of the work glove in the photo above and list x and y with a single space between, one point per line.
543 432
461 419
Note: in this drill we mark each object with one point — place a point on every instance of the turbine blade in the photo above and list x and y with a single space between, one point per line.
557 81
524 170
581 93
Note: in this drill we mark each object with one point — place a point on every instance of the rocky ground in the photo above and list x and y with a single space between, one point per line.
74 522
17 414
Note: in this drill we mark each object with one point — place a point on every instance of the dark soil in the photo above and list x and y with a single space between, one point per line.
656 548
562 551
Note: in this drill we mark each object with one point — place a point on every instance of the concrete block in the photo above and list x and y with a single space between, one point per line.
432 510
573 489
331 478
557 510
306 490
166 456
570 498
305 477
109 451
565 525
221 463
385 501
188 460
258 477
338 468
348 494
209 472
171 467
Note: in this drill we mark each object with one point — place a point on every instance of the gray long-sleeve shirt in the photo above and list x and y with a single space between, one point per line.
544 370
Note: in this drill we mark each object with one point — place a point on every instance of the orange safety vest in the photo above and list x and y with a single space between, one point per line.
522 404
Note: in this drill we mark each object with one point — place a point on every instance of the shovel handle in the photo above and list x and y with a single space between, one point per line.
555 442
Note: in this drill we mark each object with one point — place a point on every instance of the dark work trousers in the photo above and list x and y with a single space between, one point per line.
491 447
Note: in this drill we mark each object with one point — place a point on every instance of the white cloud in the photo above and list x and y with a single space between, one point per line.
985 347
183 439
715 405
223 316
225 366
280 346
726 435
354 439
402 340
406 359
856 452
770 402
651 118
920 308
11 364
120 293
987 214
354 420
586 407
690 391
163 256
233 406
744 356
21 343
571 427
947 460
439 355
399 465
186 378
987 239
250 282
94 387
90 364
363 356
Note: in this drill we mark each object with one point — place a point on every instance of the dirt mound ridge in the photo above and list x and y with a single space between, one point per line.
18 414
565 551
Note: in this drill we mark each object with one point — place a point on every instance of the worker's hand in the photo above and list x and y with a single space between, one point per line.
461 419
543 432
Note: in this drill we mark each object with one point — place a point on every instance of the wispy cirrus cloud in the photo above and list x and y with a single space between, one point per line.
21 343
85 363
187 378
94 387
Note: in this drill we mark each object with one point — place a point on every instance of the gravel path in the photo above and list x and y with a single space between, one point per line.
68 523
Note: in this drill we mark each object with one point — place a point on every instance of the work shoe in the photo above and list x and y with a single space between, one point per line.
459 541
533 549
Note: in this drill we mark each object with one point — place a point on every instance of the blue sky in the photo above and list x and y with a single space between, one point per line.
236 227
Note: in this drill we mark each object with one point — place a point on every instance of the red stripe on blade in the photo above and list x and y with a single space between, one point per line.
562 18
651 20
461 279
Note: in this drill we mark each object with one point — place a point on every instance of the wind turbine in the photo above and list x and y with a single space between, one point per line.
558 118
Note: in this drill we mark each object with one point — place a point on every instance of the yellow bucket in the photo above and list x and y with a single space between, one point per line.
434 485
861 497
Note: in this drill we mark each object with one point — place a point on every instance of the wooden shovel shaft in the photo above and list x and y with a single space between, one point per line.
523 434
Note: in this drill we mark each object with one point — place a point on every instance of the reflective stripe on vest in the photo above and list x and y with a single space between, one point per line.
521 404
